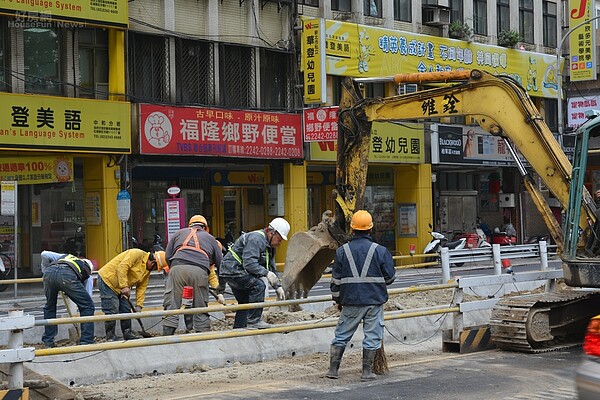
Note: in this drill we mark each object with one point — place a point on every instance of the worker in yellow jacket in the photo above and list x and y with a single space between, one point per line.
129 269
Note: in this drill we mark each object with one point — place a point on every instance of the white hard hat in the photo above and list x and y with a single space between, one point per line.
281 226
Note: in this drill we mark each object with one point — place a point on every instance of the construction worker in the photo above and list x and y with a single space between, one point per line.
361 271
129 269
190 253
249 259
67 274
48 257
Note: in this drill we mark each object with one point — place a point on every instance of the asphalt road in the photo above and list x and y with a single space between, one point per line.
485 375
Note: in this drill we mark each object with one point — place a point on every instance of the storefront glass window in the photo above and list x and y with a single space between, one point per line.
379 201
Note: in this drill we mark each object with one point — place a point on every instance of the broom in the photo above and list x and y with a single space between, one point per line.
380 364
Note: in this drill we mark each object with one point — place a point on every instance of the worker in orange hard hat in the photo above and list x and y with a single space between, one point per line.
190 253
115 280
361 271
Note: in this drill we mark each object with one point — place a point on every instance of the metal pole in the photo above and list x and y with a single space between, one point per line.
497 259
559 75
445 256
15 341
15 242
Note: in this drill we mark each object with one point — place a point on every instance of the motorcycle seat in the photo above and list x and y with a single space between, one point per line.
454 244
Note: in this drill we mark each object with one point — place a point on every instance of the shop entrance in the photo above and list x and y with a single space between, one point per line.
243 209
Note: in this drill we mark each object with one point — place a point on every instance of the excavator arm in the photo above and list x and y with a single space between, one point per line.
501 107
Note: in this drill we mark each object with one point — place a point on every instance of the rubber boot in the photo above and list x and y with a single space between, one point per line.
367 372
109 327
335 357
127 332
168 331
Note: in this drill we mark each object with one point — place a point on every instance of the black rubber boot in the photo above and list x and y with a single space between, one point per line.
109 327
168 331
367 372
335 358
126 329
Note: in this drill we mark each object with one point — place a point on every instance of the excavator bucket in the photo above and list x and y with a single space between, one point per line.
308 254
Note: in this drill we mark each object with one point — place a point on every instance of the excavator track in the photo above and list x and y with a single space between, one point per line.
543 322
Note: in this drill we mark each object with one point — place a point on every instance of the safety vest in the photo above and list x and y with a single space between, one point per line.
362 277
239 259
78 266
196 246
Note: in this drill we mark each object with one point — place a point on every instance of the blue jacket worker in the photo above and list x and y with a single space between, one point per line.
362 269
68 274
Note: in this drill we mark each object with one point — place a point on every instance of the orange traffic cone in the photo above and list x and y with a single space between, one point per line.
507 265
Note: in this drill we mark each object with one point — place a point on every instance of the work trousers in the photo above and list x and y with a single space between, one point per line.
188 275
113 303
62 278
351 317
247 289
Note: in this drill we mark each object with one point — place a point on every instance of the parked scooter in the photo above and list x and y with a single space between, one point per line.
438 241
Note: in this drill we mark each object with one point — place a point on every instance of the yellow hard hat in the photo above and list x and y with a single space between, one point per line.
361 221
161 260
198 219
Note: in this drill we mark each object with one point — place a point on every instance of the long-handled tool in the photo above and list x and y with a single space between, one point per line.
139 320
76 334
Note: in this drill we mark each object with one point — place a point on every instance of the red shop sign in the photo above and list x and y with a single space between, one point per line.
218 132
320 124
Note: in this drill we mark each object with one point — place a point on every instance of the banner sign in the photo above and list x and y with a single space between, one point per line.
390 143
40 13
33 170
52 123
576 108
467 145
582 41
217 132
320 124
313 61
367 51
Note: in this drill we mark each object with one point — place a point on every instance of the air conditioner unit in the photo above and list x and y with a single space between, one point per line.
407 88
436 16
507 200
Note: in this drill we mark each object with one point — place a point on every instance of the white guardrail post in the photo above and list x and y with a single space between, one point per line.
544 261
445 258
16 355
497 259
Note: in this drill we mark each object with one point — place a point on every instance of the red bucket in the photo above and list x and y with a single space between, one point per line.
506 263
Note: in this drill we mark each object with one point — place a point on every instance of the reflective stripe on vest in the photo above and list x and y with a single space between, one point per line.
362 278
70 260
196 246
239 259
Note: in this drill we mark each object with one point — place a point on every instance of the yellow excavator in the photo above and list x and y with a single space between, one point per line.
503 108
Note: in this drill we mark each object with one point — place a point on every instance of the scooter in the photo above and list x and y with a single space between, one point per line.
438 241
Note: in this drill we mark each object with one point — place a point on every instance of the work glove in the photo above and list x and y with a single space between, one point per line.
125 292
221 298
138 308
280 293
273 278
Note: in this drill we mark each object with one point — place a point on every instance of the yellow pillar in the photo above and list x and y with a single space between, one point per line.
116 63
295 202
103 240
217 229
413 186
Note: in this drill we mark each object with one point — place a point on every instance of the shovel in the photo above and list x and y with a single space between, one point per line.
139 320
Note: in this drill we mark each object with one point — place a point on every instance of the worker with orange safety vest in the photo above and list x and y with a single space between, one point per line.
190 253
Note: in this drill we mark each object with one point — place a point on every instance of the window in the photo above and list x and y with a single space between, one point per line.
195 75
314 3
375 90
402 10
551 113
3 55
526 20
237 76
274 67
549 11
148 61
41 60
372 8
341 5
456 13
480 17
503 15
93 63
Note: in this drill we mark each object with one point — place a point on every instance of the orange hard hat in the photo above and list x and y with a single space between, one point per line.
361 221
161 260
198 219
